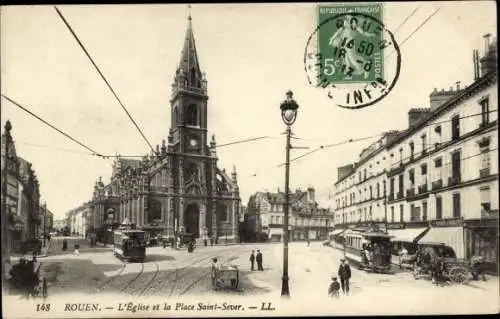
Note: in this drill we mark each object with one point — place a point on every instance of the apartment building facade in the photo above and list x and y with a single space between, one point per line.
437 181
306 219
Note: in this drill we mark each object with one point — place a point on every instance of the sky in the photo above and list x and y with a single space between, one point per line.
251 53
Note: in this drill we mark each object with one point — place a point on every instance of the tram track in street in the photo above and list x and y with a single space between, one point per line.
190 286
150 282
173 278
130 282
112 278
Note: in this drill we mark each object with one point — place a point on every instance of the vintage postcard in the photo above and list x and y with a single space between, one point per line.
256 160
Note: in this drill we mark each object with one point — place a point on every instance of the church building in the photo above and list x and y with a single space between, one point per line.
178 187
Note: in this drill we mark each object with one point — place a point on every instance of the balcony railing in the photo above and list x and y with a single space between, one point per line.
437 184
410 192
390 197
485 172
400 195
454 180
422 188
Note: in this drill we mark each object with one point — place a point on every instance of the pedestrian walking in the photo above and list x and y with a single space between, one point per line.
258 258
252 259
65 244
212 240
205 241
345 276
334 289
77 249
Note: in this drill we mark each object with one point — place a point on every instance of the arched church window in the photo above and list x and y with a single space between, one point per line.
191 171
222 212
192 115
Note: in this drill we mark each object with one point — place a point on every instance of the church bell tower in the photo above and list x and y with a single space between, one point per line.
189 101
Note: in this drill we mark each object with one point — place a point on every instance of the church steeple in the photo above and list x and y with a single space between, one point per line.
189 73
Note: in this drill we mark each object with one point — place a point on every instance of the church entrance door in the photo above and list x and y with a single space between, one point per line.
192 219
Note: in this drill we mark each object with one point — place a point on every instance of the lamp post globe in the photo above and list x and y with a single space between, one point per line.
289 109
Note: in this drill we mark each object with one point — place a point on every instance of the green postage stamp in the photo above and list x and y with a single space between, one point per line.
347 54
350 46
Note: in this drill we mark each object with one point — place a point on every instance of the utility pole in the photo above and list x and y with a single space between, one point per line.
285 290
5 229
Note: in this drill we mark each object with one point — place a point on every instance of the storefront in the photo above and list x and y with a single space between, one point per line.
446 231
406 235
275 234
482 238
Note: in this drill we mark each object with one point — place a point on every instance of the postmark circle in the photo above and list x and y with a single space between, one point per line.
350 66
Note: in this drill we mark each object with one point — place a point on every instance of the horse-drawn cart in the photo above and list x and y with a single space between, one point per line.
26 281
441 260
225 277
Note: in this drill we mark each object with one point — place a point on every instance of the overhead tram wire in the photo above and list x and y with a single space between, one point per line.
244 141
53 147
415 31
52 126
407 18
322 147
102 76
363 138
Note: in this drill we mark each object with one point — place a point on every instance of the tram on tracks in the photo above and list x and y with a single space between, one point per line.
371 247
130 244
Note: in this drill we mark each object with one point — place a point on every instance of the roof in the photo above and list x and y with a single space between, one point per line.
480 83
124 162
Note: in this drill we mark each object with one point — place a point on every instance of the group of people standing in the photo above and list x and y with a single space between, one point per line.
344 273
256 258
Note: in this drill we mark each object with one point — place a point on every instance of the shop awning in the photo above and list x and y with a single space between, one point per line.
407 235
275 231
336 232
450 236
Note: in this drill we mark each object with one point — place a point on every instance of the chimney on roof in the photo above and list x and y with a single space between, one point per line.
343 171
475 61
311 194
438 98
417 115
489 60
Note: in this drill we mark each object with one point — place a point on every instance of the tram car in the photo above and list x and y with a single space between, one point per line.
130 245
373 248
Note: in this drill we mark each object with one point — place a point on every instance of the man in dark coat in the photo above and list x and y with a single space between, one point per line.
252 260
345 275
259 260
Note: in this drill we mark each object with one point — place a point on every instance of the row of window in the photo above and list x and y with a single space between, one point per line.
456 167
420 213
298 221
455 135
367 193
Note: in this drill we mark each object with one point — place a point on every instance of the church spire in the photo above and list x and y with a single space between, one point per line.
189 67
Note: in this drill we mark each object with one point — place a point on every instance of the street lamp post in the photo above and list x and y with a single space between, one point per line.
289 110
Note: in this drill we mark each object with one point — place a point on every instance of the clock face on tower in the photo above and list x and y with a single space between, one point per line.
193 143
